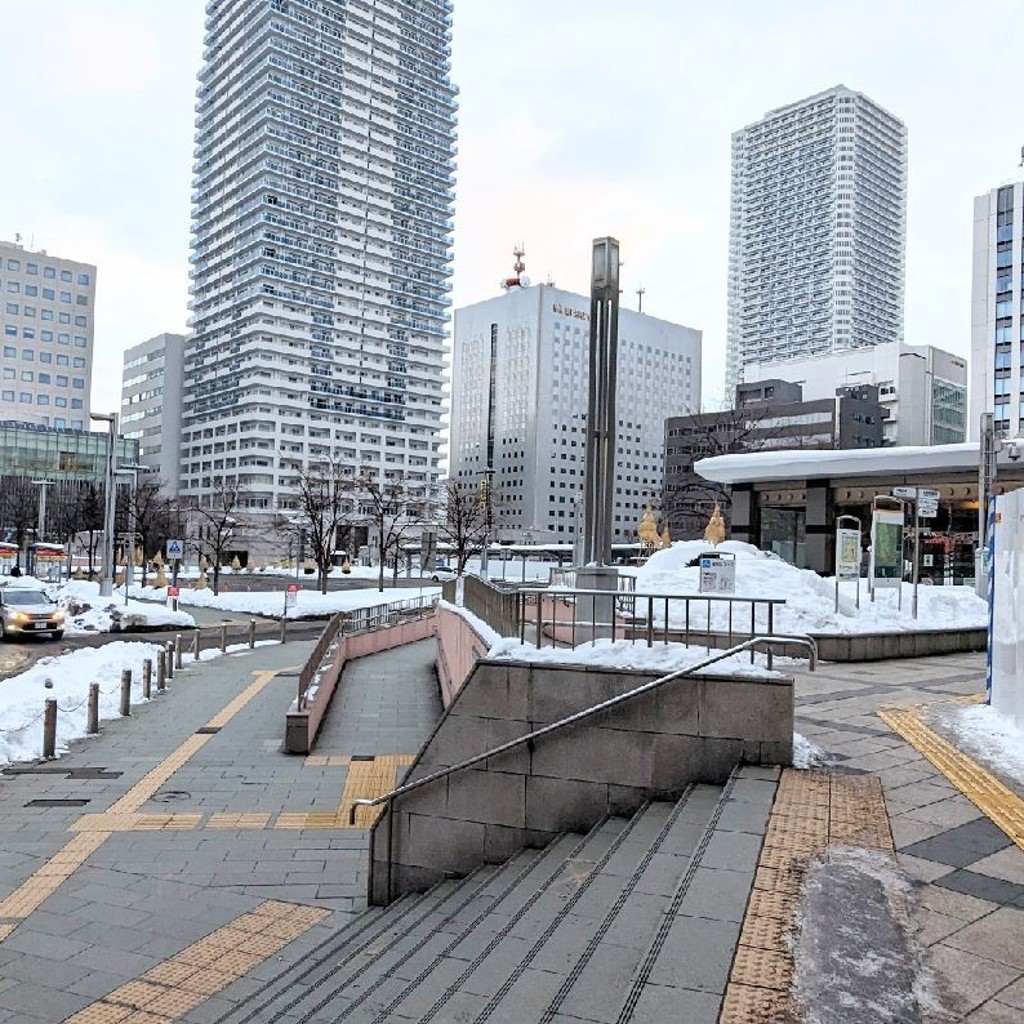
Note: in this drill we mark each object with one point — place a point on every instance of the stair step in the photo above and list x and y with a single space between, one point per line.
684 971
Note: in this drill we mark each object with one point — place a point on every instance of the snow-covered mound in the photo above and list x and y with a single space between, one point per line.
87 612
810 598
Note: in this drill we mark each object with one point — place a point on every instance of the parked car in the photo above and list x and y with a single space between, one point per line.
440 573
28 610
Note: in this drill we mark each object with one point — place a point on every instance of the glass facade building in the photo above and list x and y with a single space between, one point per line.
322 206
817 231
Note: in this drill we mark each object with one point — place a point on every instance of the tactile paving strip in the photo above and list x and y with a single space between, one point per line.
171 989
983 789
812 811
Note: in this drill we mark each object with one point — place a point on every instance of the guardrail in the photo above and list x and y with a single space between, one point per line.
573 617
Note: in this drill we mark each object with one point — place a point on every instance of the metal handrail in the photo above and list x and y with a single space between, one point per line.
801 641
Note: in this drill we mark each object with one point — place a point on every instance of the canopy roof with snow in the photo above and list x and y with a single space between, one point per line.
808 464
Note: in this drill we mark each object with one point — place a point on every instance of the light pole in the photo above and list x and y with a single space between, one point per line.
107 579
41 526
484 563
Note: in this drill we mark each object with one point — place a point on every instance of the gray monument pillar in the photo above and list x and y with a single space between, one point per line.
596 571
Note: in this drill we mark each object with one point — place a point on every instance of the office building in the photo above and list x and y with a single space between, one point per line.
767 415
817 231
151 391
520 371
922 389
322 205
47 307
997 384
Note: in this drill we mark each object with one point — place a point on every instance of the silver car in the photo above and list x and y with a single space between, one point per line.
28 610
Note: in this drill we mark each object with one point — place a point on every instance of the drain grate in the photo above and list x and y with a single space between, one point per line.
363 757
71 773
56 803
208 730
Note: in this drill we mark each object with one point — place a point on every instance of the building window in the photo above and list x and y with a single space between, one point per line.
65 276
83 279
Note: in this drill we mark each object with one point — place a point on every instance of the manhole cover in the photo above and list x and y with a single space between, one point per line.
170 796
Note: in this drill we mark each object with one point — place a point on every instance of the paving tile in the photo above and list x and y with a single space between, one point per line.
930 927
994 1012
969 980
1007 864
984 887
962 846
697 954
998 936
660 1003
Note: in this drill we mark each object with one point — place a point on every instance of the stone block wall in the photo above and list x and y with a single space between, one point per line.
695 729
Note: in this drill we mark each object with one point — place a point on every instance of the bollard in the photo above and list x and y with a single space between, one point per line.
223 638
92 723
196 644
161 671
50 729
177 651
126 692
252 634
147 677
170 659
284 627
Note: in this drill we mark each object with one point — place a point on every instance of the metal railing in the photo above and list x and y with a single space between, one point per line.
566 577
573 617
805 642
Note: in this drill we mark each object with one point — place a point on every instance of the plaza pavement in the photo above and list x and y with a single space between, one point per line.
195 839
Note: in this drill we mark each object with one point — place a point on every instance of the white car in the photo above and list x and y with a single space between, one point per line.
440 573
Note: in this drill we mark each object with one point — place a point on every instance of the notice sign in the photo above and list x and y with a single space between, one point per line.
717 574
848 554
887 547
291 595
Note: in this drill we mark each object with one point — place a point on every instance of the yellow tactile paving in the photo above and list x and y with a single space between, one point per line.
812 811
170 990
44 882
237 821
983 789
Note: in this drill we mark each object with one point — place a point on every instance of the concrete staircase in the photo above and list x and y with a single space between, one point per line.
636 922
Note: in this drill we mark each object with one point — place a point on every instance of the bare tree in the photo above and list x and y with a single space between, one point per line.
325 505
464 521
390 512
149 519
217 523
19 510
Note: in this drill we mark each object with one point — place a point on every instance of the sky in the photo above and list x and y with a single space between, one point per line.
578 119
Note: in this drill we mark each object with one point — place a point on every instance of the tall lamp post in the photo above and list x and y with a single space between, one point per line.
107 579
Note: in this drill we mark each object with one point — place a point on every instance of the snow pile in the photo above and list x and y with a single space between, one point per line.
985 734
810 598
23 697
87 612
807 754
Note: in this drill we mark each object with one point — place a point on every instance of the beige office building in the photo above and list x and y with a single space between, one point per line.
47 310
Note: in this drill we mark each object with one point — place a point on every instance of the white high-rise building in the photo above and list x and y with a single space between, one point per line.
322 205
997 381
151 391
817 231
47 318
520 369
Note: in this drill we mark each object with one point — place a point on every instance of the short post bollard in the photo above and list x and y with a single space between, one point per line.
50 729
170 659
284 628
147 678
252 634
92 717
126 692
177 651
223 638
161 671
196 644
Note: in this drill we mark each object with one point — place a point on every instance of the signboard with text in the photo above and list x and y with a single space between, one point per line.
887 547
717 573
848 554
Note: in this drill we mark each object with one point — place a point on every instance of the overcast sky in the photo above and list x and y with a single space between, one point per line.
578 118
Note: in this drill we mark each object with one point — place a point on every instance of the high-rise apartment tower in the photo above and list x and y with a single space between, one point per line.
817 231
322 204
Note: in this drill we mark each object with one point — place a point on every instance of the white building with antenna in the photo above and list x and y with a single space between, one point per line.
520 365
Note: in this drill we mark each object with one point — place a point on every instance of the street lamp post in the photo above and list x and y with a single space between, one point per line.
107 579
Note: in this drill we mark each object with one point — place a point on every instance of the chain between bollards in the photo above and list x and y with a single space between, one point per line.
126 692
147 678
50 729
92 718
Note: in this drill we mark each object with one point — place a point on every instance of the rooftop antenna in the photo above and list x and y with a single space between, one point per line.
640 292
520 280
17 237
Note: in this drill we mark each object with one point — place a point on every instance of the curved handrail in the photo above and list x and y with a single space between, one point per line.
801 641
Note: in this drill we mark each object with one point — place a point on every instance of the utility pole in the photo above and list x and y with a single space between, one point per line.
107 579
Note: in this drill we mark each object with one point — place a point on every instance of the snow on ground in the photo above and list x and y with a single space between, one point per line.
810 598
103 613
990 737
807 754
